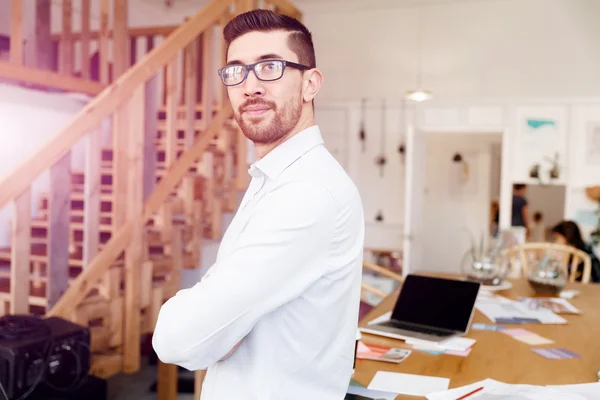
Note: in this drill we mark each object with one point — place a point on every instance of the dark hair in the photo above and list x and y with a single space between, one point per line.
519 186
537 216
571 232
299 40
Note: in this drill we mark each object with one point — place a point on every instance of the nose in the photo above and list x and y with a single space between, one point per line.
253 86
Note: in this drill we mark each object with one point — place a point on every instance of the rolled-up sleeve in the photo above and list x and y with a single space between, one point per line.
282 250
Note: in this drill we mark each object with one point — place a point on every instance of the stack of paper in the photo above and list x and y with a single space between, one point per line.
504 311
557 305
459 346
494 390
414 385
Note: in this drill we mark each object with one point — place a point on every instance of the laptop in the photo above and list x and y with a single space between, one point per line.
430 308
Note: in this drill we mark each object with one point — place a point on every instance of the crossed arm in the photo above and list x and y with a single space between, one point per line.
277 257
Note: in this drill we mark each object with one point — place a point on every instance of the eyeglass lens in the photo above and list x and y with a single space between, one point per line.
266 71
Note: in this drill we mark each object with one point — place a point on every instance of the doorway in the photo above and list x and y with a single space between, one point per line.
456 181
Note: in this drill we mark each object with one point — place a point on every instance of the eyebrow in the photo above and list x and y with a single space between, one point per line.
269 56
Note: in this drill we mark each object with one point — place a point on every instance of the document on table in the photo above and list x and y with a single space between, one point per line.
495 390
454 344
414 385
518 313
589 391
381 318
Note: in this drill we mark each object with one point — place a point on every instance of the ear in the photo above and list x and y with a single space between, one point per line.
313 79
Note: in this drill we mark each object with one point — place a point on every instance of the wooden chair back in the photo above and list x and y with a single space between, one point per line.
524 253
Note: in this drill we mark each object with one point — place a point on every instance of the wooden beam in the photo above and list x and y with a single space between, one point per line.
135 251
20 254
49 79
21 176
58 232
85 281
103 43
67 46
85 39
141 31
16 32
286 7
91 193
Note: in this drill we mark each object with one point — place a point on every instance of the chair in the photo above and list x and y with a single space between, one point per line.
365 305
560 252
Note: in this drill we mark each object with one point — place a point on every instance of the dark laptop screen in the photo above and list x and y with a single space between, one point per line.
441 303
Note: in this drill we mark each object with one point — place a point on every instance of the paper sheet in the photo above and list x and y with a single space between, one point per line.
414 385
515 313
494 390
589 391
372 394
455 344
381 318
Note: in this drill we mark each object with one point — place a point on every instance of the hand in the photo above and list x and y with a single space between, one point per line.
231 351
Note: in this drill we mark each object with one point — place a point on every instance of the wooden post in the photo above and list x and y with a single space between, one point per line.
172 106
58 230
150 122
135 251
166 381
120 39
16 32
91 195
103 43
42 46
208 82
198 381
85 39
20 254
66 41
191 92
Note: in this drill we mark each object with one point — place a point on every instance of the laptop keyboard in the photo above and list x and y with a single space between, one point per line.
415 328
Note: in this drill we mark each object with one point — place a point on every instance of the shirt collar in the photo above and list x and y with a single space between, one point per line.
284 155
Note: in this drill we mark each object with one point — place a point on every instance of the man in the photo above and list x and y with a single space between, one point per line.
520 215
276 316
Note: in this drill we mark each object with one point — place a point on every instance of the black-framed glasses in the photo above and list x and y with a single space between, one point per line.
269 70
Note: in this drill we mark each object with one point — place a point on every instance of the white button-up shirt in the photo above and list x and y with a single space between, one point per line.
286 284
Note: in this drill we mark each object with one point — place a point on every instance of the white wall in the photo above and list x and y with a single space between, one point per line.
28 118
484 48
340 124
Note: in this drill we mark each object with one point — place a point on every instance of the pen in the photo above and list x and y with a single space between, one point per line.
470 393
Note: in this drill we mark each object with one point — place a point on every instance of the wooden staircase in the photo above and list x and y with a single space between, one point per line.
109 242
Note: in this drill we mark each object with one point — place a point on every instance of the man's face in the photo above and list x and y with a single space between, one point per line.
265 110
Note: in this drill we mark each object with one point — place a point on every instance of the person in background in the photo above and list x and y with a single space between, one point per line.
538 230
520 213
568 233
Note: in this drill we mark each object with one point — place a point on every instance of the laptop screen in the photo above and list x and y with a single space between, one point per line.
436 302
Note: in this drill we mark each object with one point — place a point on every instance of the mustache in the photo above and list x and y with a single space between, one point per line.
256 102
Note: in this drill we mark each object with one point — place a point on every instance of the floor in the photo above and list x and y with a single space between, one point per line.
137 386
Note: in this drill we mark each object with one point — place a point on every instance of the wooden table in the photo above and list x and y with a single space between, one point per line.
499 356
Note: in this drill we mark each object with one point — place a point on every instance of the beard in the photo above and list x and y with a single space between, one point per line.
266 129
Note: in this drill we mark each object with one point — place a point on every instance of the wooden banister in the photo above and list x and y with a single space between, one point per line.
84 282
21 177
